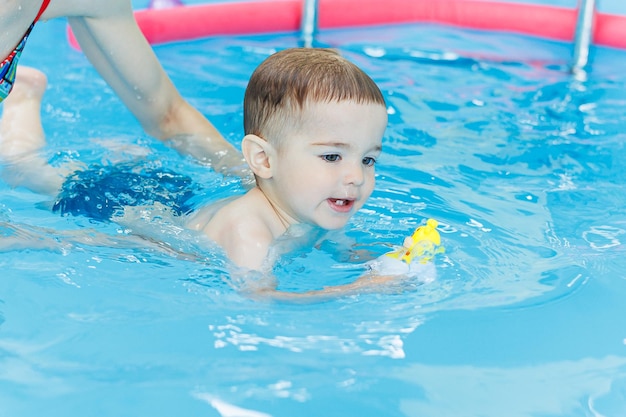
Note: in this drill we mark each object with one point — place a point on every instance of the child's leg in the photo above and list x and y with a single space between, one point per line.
22 136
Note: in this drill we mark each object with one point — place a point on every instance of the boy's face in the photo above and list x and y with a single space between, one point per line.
324 171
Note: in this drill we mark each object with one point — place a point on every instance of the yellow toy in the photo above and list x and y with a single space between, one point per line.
423 245
413 260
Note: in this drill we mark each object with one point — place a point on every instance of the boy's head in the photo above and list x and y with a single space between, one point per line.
314 127
284 84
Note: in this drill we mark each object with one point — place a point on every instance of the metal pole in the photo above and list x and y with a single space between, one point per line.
308 26
584 33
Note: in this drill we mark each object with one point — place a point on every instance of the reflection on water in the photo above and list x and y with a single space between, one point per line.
383 337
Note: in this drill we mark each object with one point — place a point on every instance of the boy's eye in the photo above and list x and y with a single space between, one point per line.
369 161
333 157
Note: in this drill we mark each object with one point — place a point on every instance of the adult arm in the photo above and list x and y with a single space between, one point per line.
112 41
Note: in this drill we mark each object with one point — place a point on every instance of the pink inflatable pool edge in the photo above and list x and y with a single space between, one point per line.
182 23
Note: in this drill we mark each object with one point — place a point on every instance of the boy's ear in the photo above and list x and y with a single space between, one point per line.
257 152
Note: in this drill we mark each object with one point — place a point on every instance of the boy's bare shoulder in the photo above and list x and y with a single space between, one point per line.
203 215
237 212
241 229
234 220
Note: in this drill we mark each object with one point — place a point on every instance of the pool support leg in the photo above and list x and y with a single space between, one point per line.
308 27
583 34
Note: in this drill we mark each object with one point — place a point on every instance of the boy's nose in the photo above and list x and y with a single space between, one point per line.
354 174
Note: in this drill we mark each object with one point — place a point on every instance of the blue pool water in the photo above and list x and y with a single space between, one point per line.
522 165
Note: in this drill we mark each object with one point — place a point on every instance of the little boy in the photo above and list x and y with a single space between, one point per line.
314 124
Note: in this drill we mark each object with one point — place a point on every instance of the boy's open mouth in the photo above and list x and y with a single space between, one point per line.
340 204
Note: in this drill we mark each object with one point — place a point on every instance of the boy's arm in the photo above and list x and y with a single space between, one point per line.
366 284
111 39
387 274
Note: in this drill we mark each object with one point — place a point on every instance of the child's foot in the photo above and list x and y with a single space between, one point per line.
20 128
30 83
22 137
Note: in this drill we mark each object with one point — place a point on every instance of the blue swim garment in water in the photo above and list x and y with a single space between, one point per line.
102 192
